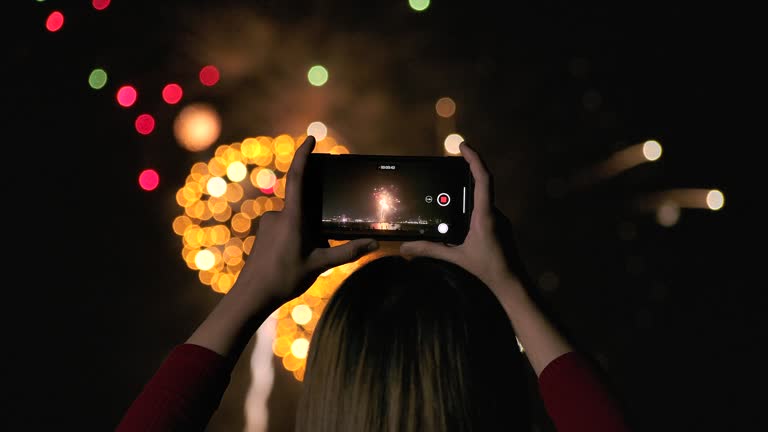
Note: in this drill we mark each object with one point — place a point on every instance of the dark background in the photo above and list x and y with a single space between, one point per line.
98 294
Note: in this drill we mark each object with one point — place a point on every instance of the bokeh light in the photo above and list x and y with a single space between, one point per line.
55 21
452 143
217 225
209 75
172 93
318 130
265 179
418 5
145 124
149 179
668 214
100 4
216 186
237 171
317 75
97 79
299 348
205 259
301 314
196 127
126 96
652 150
715 199
445 107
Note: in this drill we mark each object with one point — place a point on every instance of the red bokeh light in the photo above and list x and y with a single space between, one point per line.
100 4
55 21
172 93
269 191
145 124
209 75
126 96
149 179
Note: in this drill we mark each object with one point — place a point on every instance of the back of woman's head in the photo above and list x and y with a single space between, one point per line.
413 345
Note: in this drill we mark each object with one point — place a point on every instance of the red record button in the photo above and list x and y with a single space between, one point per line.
443 199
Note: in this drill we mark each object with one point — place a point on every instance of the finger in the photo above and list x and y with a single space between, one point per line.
428 249
482 196
325 258
268 218
295 176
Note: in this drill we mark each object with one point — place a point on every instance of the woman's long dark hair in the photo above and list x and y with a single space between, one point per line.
413 345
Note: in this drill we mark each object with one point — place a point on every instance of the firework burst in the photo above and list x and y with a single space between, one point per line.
386 201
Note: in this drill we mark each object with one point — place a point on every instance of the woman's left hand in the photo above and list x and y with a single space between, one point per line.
285 259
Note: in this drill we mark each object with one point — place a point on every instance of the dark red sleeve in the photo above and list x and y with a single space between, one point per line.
575 399
182 395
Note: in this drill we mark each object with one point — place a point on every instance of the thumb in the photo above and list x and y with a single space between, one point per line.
428 249
325 258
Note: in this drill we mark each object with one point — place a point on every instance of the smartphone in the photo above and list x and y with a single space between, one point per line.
352 196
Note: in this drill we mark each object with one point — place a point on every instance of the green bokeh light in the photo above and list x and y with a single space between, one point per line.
97 79
317 75
418 5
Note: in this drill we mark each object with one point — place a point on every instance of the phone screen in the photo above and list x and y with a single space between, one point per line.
389 197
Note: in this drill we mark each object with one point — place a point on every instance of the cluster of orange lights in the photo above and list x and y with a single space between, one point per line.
221 200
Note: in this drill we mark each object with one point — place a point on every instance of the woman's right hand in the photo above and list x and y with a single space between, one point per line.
482 253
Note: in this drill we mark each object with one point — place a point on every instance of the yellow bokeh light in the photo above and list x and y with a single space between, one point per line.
280 187
251 148
205 259
652 150
193 236
199 168
192 192
445 107
325 146
301 314
220 234
180 224
299 373
275 204
283 145
300 348
224 215
234 192
291 362
241 223
249 209
222 282
196 127
282 165
248 244
237 171
216 186
265 179
233 255
318 130
205 276
216 224
715 199
217 204
339 149
281 346
452 142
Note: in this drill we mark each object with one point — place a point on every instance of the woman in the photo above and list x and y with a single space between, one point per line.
403 345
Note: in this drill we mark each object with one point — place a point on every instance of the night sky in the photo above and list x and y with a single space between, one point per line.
544 90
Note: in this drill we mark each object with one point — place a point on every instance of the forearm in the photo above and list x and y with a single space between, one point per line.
538 336
234 320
